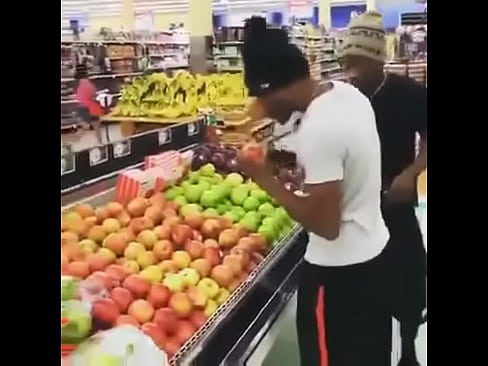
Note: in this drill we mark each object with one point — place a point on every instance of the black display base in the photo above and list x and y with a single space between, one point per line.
82 168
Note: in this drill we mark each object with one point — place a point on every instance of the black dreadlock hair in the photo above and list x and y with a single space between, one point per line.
270 61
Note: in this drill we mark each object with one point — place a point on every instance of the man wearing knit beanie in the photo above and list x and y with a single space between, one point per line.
400 106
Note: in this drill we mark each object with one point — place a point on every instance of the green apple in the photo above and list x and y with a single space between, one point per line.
193 192
173 192
255 215
259 194
252 184
180 200
221 209
266 209
209 287
224 188
238 196
250 223
273 201
209 199
80 321
234 179
268 232
211 213
204 184
190 208
208 170
238 211
217 178
269 221
190 276
283 215
232 216
185 184
69 288
193 177
251 204
174 282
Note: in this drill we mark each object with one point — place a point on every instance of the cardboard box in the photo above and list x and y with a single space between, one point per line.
139 183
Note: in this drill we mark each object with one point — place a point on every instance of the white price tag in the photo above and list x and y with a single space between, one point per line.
164 136
68 161
98 155
121 148
193 129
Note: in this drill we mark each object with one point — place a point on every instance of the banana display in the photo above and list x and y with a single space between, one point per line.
161 96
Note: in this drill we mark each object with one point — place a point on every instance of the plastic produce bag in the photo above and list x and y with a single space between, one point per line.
120 346
76 321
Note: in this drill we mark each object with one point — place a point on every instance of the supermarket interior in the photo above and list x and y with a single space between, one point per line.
170 253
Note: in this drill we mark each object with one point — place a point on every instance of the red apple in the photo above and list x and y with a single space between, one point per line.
180 234
140 224
156 334
141 310
125 319
163 249
172 221
260 242
102 279
116 272
172 346
166 320
197 235
98 262
78 269
213 256
155 213
163 232
197 296
223 275
158 199
138 286
194 248
211 243
198 318
137 206
116 242
240 231
185 331
158 296
168 266
224 223
234 262
181 304
211 229
256 257
105 311
122 298
242 253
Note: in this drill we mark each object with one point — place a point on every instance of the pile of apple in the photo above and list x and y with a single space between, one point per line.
167 266
209 193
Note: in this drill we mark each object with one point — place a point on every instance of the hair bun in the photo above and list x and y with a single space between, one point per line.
254 27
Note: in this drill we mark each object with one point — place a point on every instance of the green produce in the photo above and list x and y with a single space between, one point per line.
180 200
205 182
208 170
193 192
69 288
173 192
221 209
266 209
268 232
250 204
234 179
79 321
238 211
209 199
211 213
232 216
238 195
259 194
250 223
193 177
217 178
189 209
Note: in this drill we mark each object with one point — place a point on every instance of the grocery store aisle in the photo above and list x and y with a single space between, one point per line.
284 351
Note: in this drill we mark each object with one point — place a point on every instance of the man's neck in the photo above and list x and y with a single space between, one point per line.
376 82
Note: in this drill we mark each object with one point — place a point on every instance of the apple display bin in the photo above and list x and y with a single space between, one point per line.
234 331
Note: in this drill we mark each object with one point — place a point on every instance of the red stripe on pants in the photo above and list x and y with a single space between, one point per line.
320 319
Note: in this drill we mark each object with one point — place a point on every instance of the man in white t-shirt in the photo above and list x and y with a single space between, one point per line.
340 318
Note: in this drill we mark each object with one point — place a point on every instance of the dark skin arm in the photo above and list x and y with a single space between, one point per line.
318 212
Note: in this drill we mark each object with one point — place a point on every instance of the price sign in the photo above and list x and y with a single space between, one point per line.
98 155
164 136
193 129
121 148
68 161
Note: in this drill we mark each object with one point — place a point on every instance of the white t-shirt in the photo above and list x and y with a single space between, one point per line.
338 140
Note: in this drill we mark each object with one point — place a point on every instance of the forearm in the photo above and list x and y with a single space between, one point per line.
420 163
298 207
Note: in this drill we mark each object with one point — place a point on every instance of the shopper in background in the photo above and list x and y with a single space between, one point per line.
400 106
340 318
90 110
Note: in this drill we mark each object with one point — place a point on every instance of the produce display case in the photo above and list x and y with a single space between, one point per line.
234 331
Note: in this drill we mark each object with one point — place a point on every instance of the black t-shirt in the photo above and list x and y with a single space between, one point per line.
401 112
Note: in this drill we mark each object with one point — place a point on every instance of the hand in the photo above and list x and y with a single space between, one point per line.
257 169
402 188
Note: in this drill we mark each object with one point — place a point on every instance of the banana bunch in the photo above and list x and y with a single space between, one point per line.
161 96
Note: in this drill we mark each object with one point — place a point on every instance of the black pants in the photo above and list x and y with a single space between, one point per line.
341 320
406 266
